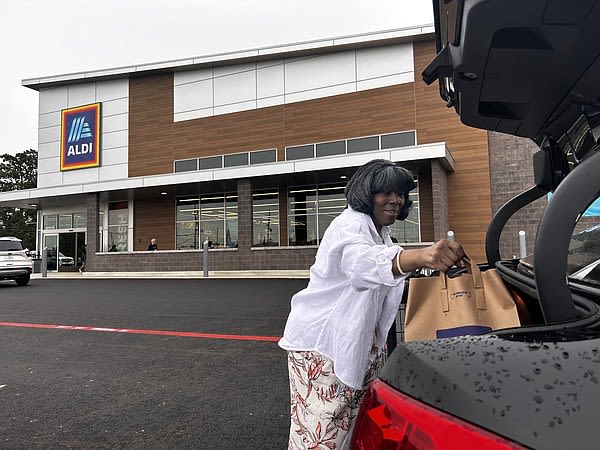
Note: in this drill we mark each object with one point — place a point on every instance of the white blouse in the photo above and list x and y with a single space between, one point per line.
351 299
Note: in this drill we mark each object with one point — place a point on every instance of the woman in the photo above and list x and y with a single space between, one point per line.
338 324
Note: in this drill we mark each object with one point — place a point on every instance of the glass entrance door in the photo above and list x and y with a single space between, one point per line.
51 244
67 251
64 250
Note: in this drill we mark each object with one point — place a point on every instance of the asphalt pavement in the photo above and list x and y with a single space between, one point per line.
113 363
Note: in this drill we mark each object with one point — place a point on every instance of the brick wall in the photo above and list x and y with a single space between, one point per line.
439 188
276 258
511 173
92 227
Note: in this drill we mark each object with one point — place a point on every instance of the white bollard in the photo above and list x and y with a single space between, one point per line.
205 257
522 246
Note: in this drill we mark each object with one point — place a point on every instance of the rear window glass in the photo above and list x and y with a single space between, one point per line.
584 255
7 246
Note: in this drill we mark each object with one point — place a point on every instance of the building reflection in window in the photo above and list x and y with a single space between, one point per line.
118 226
265 218
210 216
312 208
310 211
408 230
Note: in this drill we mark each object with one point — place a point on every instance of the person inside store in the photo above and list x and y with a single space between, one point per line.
153 245
336 331
83 258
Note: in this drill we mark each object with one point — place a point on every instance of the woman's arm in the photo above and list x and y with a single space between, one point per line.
440 256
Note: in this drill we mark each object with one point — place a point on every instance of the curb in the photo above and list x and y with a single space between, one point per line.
289 274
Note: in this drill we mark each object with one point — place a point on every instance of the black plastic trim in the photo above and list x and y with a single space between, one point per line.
570 199
506 211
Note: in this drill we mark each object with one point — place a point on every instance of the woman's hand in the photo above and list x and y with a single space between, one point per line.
440 256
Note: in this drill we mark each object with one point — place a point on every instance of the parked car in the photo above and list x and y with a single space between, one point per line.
531 69
63 261
15 263
66 261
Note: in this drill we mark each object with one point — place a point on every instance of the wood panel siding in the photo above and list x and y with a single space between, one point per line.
154 218
151 125
156 142
229 133
363 113
469 197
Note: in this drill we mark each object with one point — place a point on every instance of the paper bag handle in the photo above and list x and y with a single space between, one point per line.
475 273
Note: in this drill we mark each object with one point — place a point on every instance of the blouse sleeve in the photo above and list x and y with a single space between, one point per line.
364 262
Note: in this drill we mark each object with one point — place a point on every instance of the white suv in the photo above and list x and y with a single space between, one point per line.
15 263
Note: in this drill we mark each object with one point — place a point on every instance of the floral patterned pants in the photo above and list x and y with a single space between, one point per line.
322 407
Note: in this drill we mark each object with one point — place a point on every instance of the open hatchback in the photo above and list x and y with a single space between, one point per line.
530 69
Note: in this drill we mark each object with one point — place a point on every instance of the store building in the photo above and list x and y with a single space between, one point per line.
250 150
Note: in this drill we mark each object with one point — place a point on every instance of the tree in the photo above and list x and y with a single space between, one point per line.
18 172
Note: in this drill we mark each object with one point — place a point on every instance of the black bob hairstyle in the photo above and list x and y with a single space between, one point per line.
374 177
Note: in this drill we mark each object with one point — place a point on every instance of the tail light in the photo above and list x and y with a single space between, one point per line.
390 420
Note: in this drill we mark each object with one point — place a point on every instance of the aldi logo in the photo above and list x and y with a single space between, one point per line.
80 137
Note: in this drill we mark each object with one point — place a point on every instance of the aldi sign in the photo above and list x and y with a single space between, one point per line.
80 137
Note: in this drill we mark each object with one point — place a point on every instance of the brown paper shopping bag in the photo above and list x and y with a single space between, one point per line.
474 302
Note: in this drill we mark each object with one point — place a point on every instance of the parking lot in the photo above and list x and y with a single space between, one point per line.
144 363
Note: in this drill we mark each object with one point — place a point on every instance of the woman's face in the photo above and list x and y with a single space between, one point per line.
386 206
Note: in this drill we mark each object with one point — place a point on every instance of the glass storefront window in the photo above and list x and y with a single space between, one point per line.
331 204
187 223
79 220
231 220
310 211
51 222
408 230
212 219
302 216
210 216
118 226
265 218
65 221
187 235
188 208
312 208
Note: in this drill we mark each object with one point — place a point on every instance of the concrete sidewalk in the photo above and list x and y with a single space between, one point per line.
176 275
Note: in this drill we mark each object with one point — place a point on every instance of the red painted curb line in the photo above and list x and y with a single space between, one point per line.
236 337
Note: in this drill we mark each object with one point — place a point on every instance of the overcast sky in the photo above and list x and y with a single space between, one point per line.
40 38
